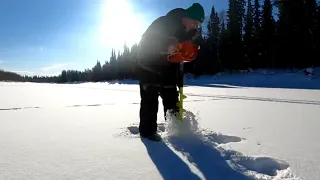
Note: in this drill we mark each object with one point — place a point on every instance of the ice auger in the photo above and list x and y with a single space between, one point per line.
181 95
185 52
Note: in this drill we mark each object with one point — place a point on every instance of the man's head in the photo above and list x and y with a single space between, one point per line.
194 16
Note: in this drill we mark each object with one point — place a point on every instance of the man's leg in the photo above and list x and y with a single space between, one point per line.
170 97
148 110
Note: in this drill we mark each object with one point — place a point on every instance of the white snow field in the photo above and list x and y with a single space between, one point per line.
250 126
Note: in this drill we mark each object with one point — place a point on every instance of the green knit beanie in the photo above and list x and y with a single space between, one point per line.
195 12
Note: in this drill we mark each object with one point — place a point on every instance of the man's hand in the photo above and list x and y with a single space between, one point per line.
172 48
173 42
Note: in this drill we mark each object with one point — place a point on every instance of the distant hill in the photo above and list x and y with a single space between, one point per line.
10 76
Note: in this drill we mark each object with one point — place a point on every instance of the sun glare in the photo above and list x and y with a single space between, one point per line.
119 25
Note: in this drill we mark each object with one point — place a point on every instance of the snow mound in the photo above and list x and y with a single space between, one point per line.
262 168
264 165
186 127
202 149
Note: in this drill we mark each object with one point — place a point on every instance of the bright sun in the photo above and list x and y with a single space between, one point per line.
119 25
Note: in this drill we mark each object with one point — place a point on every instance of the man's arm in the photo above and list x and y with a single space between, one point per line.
156 39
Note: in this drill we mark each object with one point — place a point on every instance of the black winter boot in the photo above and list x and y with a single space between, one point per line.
153 137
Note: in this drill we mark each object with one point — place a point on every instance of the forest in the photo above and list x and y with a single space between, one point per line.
250 34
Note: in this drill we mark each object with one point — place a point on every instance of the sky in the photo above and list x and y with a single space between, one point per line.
42 37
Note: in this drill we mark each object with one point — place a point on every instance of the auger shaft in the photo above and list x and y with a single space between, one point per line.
181 95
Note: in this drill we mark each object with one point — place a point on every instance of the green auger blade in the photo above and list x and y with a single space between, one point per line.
180 103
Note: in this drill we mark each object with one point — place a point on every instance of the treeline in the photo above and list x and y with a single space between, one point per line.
11 76
120 66
250 34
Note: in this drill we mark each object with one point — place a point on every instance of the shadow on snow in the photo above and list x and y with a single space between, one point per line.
169 164
208 160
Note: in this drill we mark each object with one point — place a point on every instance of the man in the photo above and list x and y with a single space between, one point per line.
156 74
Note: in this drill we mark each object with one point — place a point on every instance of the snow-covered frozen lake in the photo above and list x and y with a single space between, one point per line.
265 129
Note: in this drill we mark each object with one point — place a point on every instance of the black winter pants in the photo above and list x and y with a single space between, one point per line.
149 106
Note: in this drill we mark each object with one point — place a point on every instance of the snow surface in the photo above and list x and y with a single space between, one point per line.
257 125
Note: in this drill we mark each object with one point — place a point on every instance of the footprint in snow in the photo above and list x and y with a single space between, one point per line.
247 128
221 138
133 130
263 165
